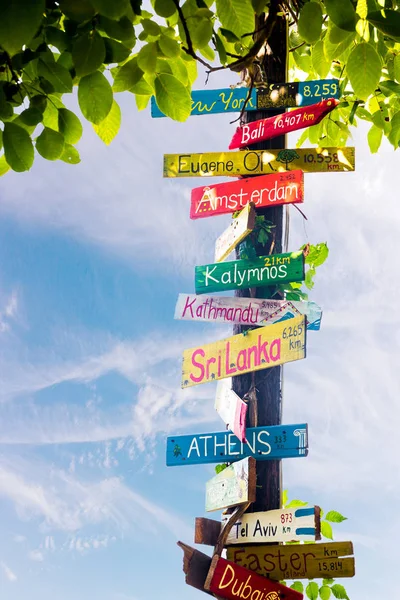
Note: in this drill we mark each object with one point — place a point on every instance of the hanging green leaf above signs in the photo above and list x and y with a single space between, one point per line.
105 48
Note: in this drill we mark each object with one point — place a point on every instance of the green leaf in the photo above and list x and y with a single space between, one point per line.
364 69
394 135
70 155
296 503
115 51
308 280
57 75
121 30
142 101
31 116
95 97
69 125
320 65
396 65
326 530
39 101
362 8
387 21
129 74
88 53
236 15
172 97
325 592
389 87
328 581
50 144
220 468
335 517
113 10
18 147
310 22
169 47
284 498
108 129
77 10
56 37
312 590
164 8
4 167
147 57
342 13
19 21
298 586
317 254
179 69
335 46
339 592
1 139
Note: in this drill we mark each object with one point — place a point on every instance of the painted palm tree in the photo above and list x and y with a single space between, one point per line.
177 451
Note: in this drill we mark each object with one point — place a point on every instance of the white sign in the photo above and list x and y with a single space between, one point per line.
235 233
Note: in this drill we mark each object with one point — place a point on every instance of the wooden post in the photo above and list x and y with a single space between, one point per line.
265 398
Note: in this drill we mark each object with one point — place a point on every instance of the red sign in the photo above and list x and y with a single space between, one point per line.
226 579
257 131
285 187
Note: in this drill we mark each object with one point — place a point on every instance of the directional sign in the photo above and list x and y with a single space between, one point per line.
261 348
282 525
228 580
245 311
261 271
286 187
301 93
206 102
231 408
265 129
300 561
235 233
263 443
259 162
233 486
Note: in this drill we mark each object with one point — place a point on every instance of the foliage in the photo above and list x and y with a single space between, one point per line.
328 588
104 47
315 256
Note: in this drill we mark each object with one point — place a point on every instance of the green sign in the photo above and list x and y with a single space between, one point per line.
265 270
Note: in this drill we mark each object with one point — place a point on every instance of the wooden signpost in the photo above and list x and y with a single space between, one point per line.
281 525
228 580
233 486
245 311
261 348
265 129
235 233
206 102
263 443
231 408
265 270
300 561
259 162
286 187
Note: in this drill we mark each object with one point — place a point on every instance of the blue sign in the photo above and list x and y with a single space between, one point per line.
276 95
263 443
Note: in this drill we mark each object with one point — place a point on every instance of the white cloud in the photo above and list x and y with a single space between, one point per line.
10 575
36 556
8 310
61 502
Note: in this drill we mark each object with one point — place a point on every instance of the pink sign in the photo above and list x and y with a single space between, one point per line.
257 131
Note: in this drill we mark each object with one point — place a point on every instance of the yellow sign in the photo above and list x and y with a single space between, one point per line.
261 348
259 162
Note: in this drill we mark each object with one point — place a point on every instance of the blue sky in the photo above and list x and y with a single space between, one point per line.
93 257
